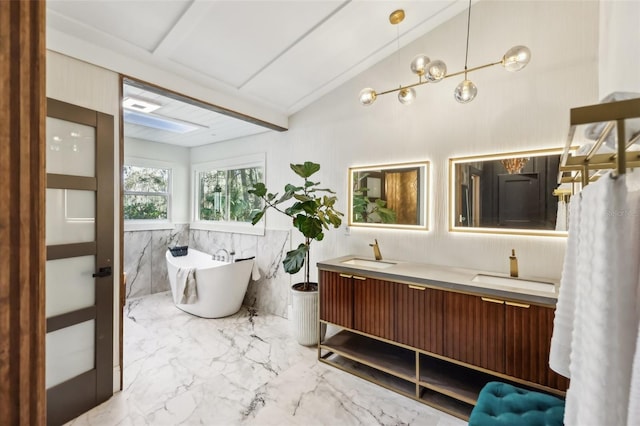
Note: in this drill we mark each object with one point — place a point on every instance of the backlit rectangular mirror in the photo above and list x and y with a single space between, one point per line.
389 196
510 193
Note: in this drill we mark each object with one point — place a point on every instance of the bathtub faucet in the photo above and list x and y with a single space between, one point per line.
226 257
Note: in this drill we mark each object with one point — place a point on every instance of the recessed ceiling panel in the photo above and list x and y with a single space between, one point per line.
208 126
340 45
235 40
142 23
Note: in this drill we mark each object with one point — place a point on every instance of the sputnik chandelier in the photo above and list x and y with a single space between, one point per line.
429 71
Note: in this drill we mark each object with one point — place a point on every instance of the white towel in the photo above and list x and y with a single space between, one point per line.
186 292
561 216
565 308
255 272
633 184
605 308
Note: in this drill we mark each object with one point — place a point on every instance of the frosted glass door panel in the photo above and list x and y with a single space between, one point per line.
70 148
70 352
70 284
70 216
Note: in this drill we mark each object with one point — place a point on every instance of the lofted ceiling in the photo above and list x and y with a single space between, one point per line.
282 55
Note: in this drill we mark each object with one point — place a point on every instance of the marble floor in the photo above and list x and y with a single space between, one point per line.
241 370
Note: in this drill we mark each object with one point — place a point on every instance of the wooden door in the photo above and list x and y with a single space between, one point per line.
474 330
419 321
528 342
520 204
80 251
374 307
336 298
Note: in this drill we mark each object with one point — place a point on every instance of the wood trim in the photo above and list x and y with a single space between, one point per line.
104 255
70 318
64 408
123 278
22 254
83 183
64 251
200 104
64 110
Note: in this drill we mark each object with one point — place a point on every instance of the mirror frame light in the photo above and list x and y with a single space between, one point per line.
424 191
487 230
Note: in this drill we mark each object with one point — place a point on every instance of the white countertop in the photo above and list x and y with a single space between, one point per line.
449 278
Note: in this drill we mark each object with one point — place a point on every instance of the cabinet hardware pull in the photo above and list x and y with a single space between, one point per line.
355 277
487 299
519 305
416 287
346 276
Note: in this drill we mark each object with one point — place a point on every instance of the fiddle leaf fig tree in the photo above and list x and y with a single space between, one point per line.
312 213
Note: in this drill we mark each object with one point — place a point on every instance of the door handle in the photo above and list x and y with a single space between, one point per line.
103 272
488 299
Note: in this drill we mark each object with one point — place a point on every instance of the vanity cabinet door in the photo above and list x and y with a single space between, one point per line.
419 321
336 298
474 330
374 306
528 342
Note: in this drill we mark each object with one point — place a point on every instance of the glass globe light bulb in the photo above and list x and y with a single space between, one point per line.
368 96
465 92
436 71
419 64
516 58
406 96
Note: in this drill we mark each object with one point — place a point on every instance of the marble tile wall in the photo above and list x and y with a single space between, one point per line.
270 293
144 261
146 269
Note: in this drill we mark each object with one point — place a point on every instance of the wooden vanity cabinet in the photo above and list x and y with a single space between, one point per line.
506 337
419 317
474 330
374 306
434 345
528 342
336 298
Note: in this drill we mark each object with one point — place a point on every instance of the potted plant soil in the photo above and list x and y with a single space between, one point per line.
312 211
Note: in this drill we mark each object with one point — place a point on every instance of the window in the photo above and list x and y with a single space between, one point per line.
221 200
146 193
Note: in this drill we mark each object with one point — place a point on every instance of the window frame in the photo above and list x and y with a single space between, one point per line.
149 224
226 164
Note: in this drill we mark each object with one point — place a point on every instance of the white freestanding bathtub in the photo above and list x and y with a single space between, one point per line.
221 286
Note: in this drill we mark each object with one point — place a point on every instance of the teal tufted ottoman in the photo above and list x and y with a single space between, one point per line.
501 404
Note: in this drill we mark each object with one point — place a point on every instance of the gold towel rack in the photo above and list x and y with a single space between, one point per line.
586 168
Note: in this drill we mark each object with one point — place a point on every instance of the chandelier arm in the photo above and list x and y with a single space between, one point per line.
472 69
409 86
420 83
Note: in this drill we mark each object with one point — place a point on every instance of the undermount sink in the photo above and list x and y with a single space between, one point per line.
515 283
376 264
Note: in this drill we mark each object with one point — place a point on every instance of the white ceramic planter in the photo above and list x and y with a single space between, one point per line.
304 317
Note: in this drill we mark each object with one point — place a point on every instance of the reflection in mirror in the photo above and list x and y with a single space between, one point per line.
393 196
507 193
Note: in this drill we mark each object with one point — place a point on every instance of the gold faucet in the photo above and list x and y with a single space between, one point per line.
513 264
376 250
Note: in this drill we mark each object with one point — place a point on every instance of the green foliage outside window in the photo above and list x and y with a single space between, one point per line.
146 193
223 194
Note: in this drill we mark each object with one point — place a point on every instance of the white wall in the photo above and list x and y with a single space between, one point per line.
176 157
619 47
86 85
513 111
